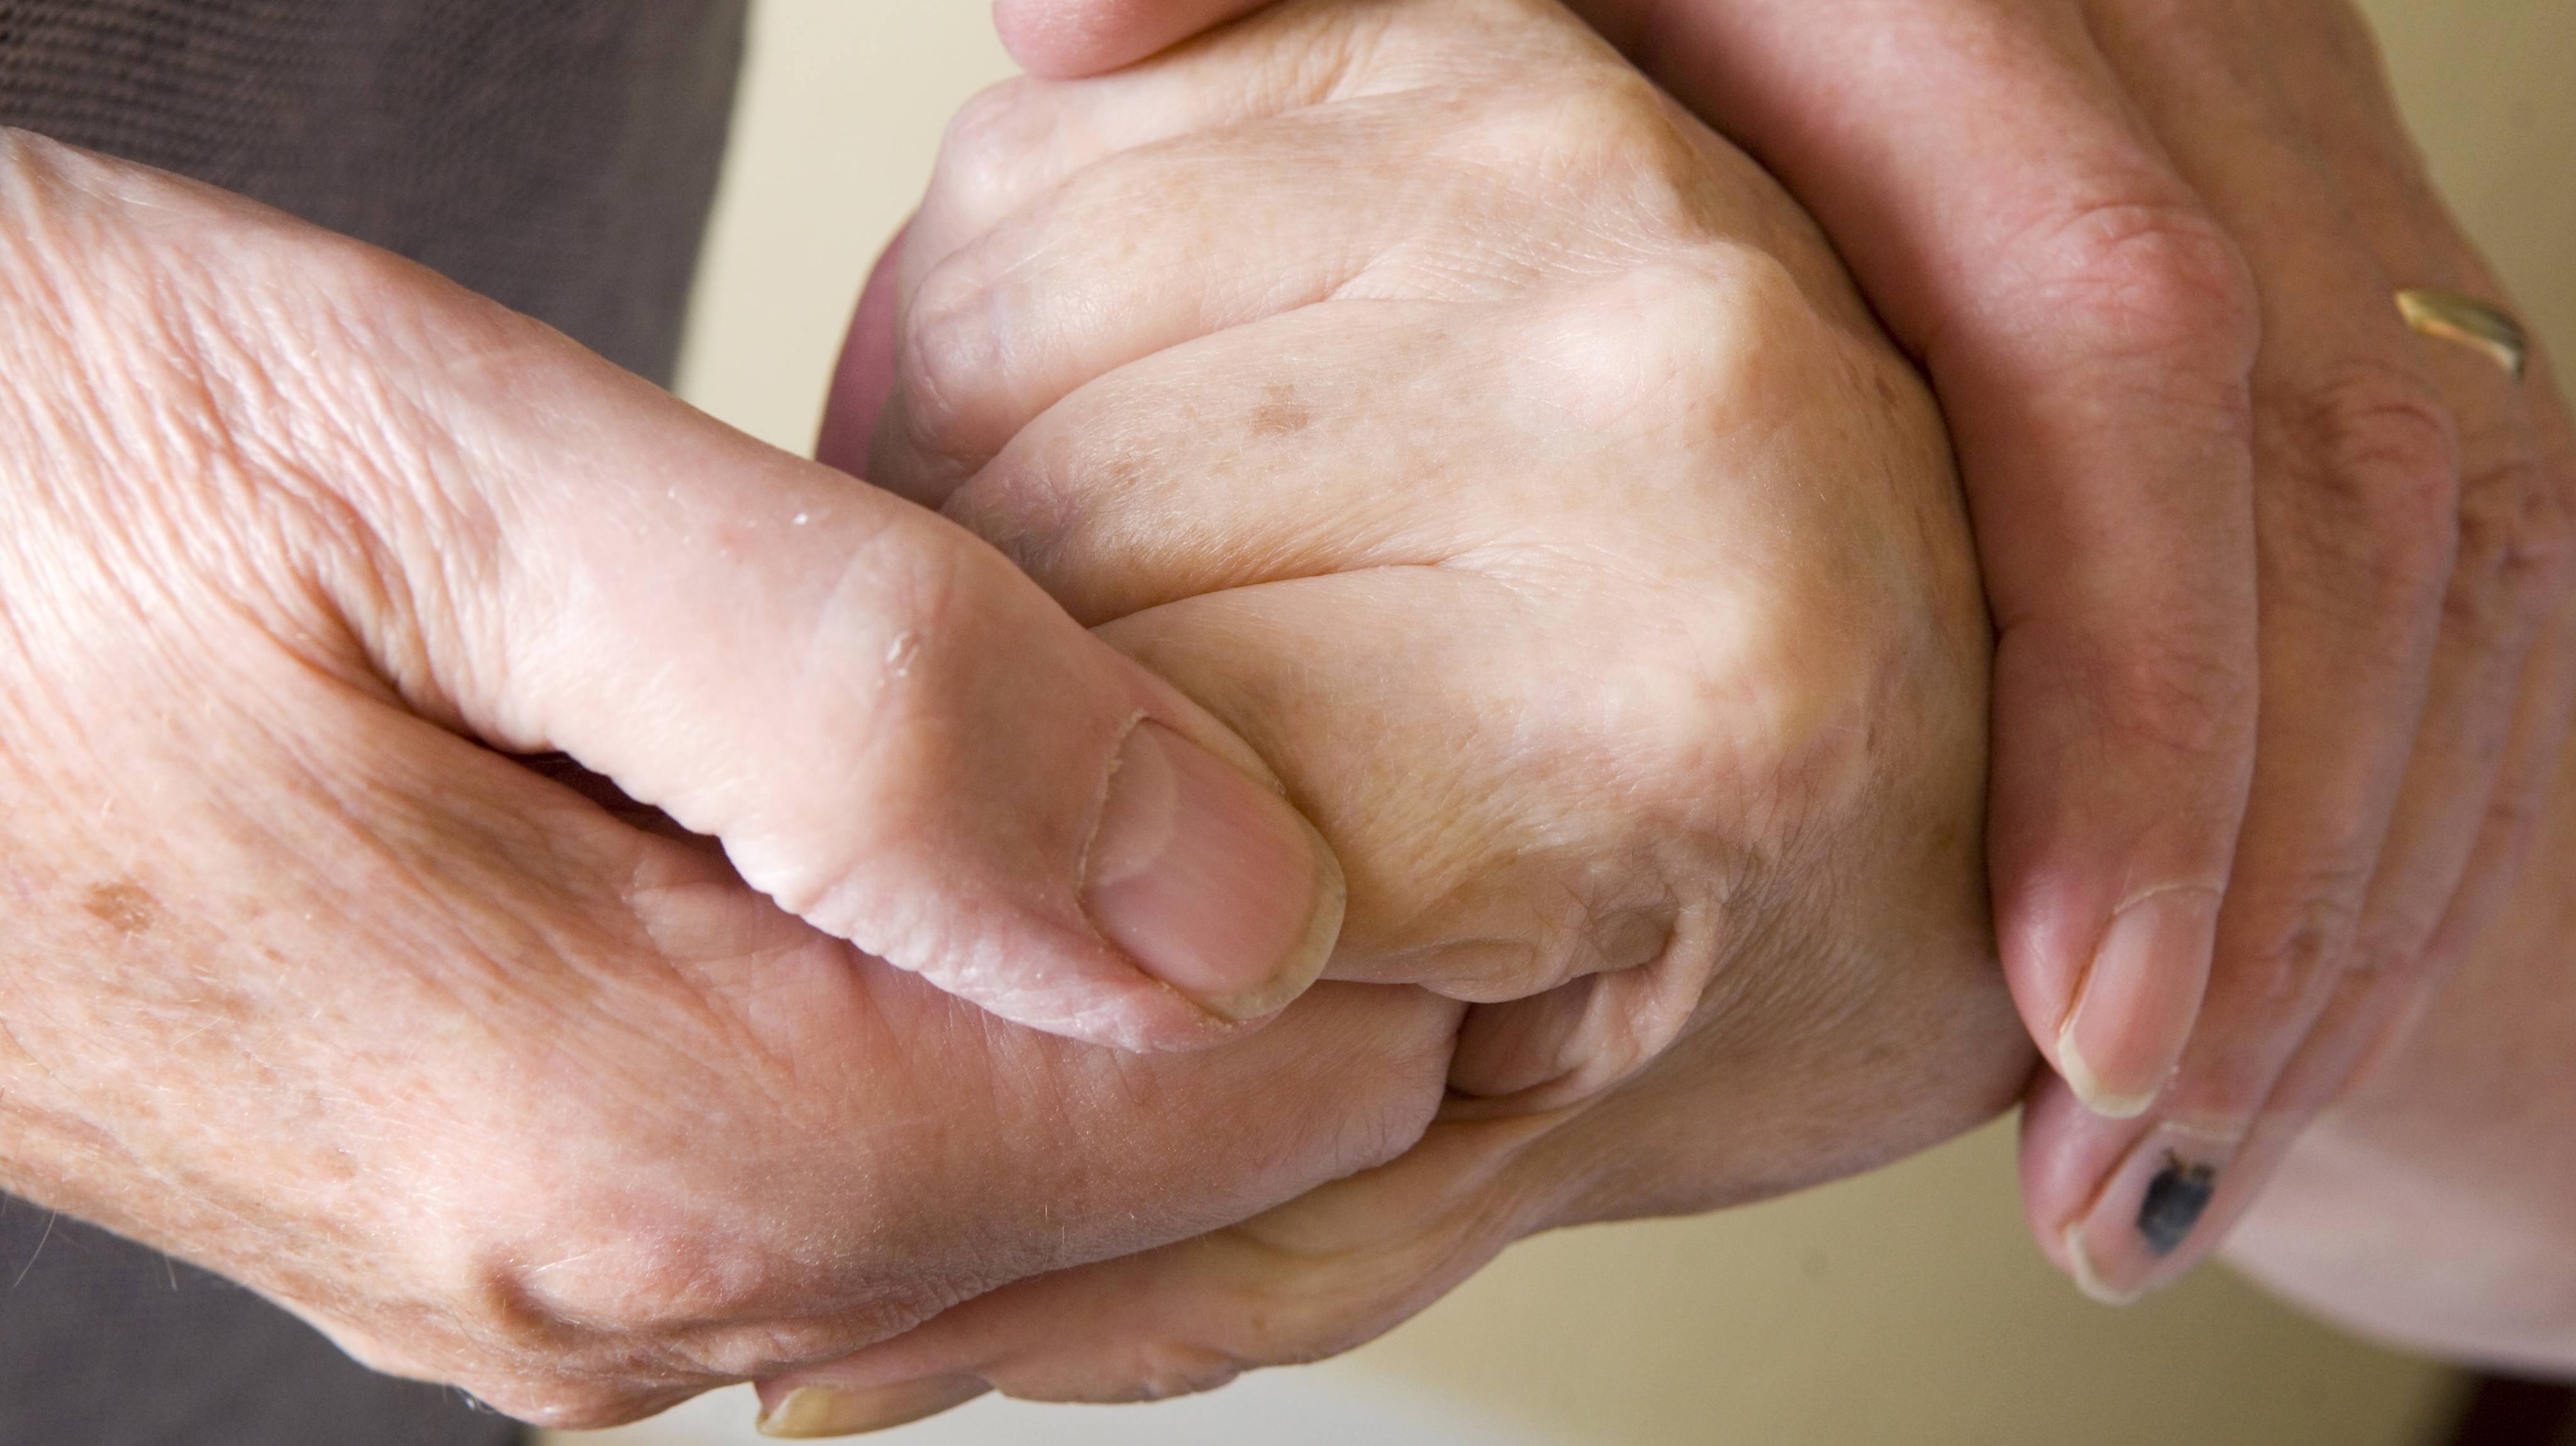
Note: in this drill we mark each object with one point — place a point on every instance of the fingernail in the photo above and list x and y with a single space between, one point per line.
2134 1011
1209 880
2134 1238
812 1411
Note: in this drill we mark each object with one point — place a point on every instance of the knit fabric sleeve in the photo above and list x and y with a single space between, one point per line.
558 157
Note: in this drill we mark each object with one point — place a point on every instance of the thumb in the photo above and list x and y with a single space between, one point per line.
1067 39
896 735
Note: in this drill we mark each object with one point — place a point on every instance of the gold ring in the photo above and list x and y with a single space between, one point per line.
2471 323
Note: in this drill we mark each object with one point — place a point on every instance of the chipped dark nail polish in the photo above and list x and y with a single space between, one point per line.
2173 1203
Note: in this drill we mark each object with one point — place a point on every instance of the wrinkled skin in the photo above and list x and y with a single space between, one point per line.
502 1087
1508 460
2281 588
307 982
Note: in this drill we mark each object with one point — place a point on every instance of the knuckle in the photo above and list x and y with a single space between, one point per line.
1164 1368
651 1279
1688 343
2179 691
2515 814
597 1273
985 154
1686 354
2154 278
948 351
2396 938
1611 138
2376 457
2516 547
2378 433
1782 728
2307 937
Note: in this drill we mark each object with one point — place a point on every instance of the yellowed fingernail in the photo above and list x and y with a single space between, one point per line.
809 1412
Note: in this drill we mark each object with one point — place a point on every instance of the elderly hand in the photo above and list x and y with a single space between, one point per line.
1506 458
2239 528
2434 1206
308 983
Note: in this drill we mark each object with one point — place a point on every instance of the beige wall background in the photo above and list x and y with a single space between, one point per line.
1904 1307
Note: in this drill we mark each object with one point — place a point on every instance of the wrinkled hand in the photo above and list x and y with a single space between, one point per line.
2147 252
307 983
1506 459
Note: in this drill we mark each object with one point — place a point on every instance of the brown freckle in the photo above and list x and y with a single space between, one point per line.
124 906
1280 419
1281 416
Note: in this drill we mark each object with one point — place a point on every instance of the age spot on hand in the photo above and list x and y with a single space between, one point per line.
1283 415
125 906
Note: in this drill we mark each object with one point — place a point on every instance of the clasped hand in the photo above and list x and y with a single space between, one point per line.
1503 456
1430 423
